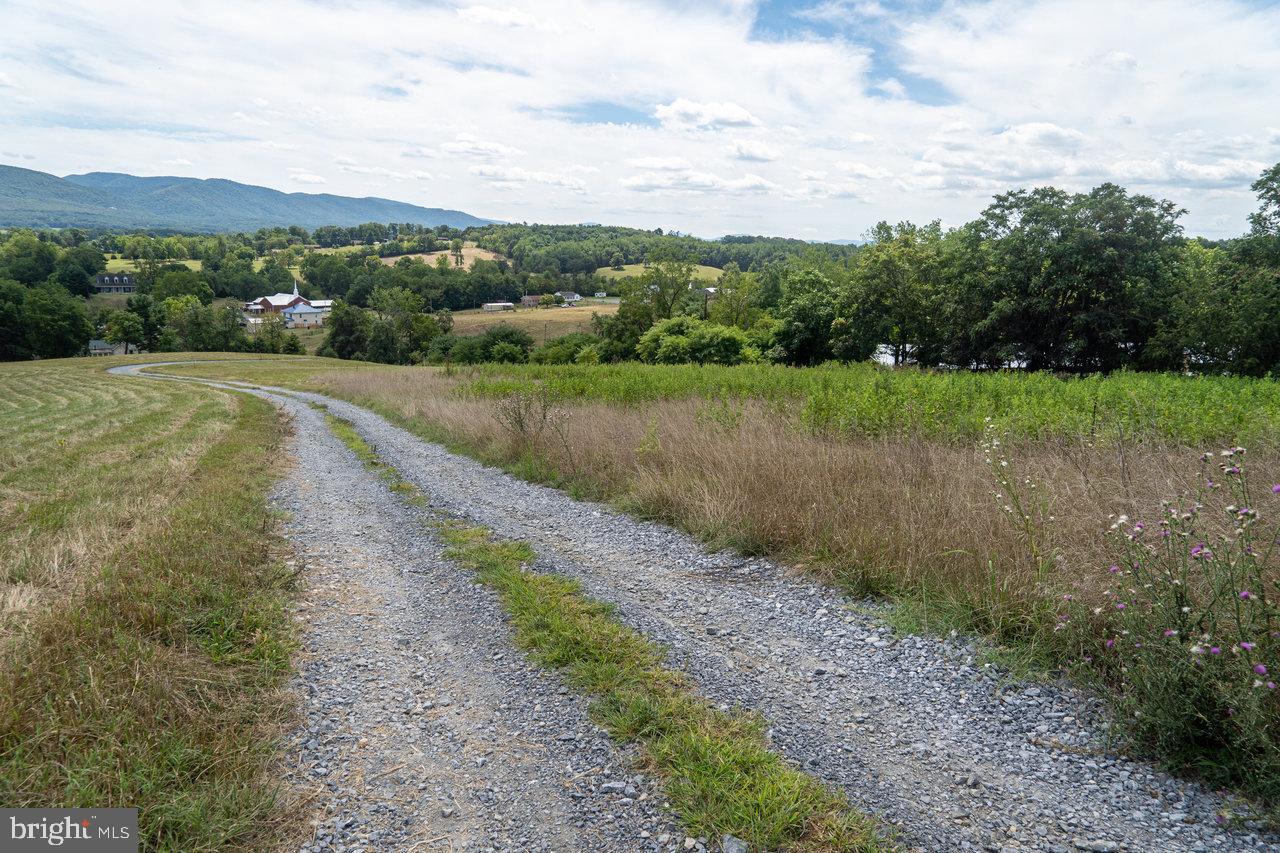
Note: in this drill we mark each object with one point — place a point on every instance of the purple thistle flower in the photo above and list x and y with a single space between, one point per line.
1120 605
1245 595
1248 647
1215 650
1271 685
1109 643
1275 490
1259 668
1169 632
1114 570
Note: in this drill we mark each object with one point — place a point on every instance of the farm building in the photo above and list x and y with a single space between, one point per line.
100 347
275 303
499 306
114 282
530 301
304 316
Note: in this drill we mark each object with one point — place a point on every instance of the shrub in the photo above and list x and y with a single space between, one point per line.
589 354
507 353
1186 632
686 339
562 350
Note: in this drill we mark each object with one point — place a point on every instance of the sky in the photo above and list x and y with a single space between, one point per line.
809 118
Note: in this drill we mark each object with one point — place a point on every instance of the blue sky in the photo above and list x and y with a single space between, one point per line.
811 118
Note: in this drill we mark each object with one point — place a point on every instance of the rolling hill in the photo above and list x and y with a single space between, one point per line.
113 200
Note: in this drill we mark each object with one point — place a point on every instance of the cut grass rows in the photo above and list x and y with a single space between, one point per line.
717 770
151 675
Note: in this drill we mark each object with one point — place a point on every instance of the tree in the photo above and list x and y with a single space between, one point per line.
737 299
13 331
667 281
56 322
348 334
124 327
1266 222
26 259
182 282
805 316
617 262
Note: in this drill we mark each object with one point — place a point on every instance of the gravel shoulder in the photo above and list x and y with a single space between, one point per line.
910 728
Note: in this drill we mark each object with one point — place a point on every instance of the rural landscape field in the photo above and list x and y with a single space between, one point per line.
782 425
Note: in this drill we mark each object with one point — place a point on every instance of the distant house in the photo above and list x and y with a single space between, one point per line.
98 347
114 282
304 316
499 306
569 297
600 294
275 303
530 301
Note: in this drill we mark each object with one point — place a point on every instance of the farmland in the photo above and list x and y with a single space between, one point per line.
542 323
701 272
142 623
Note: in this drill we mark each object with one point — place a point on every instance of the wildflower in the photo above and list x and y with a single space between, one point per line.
1068 597
1110 644
1120 605
1114 570
1197 649
1271 685
1248 647
1245 595
1275 490
1259 668
1169 632
1215 650
1257 682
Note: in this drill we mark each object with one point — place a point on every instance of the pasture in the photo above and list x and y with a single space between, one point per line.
141 602
701 272
542 323
470 254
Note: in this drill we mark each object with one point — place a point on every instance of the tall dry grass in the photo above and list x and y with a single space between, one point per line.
881 515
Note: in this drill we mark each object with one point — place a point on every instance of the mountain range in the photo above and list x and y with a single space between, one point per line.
114 200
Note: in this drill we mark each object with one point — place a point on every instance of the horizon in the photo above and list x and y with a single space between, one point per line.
835 115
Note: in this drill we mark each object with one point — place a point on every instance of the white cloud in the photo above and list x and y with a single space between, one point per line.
660 164
957 101
683 112
471 146
753 150
862 170
489 16
178 161
513 176
690 181
302 177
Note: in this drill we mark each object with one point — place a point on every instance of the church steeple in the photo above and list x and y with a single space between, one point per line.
295 288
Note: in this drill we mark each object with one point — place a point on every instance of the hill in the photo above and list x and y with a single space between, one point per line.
701 272
114 200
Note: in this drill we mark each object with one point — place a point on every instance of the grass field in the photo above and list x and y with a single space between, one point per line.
470 254
700 272
118 264
144 635
542 323
895 484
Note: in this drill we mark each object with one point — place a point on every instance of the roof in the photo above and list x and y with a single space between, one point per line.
97 344
303 308
321 303
565 294
279 298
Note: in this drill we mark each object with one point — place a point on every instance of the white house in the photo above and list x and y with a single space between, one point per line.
303 316
569 297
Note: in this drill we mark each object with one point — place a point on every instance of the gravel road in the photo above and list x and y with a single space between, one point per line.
417 705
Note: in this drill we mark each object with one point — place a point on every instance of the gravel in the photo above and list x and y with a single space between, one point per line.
949 753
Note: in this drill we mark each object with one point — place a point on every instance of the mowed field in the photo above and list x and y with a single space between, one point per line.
470 254
141 602
542 323
700 272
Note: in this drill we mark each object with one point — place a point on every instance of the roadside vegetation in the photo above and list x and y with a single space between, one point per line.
143 633
716 767
1000 528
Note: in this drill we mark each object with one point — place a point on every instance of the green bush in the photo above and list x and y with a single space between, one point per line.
681 340
562 350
